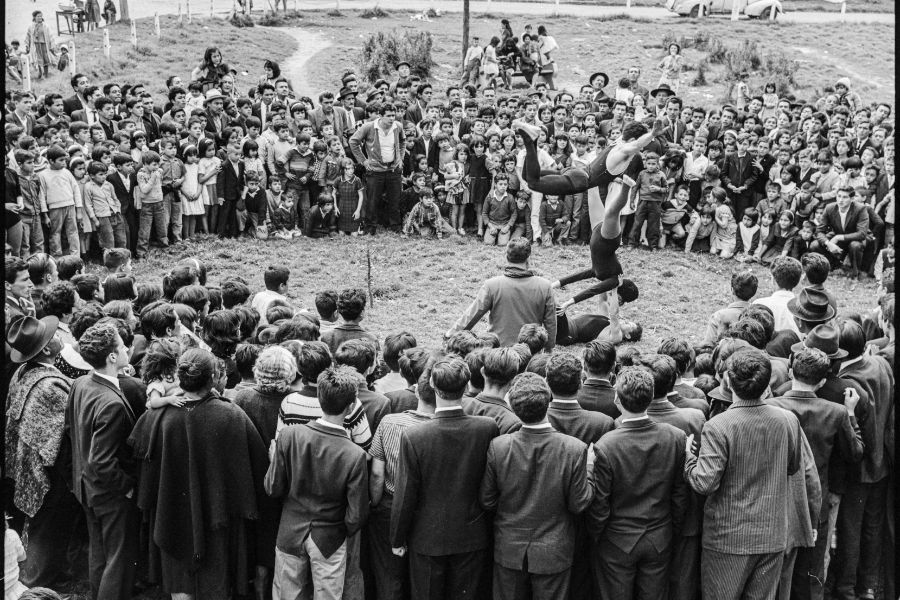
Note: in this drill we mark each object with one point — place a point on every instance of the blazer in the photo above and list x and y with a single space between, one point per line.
413 113
71 104
874 375
569 418
436 510
829 429
597 395
535 482
338 118
27 125
98 423
125 197
151 125
739 172
323 478
639 487
855 230
679 401
674 132
229 184
496 408
376 405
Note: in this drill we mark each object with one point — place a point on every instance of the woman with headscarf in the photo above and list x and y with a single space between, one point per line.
200 485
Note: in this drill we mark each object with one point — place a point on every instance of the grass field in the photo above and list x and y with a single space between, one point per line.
870 6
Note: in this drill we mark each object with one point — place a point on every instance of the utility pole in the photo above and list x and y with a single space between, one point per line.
465 37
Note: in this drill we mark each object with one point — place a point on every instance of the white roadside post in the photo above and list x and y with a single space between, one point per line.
106 45
180 22
189 11
156 24
26 72
734 10
843 11
133 35
72 68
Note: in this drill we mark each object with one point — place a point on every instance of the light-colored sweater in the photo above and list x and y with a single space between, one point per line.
59 189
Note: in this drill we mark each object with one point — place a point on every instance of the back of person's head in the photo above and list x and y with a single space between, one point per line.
500 365
534 336
680 351
276 276
724 350
249 318
461 343
221 330
749 372
87 285
627 291
703 365
69 265
475 361
85 317
394 346
599 358
664 371
518 250
196 296
296 328
489 339
449 377
147 293
97 342
312 359
538 364
424 391
39 593
119 309
59 299
853 338
749 330
118 287
529 397
763 315
116 258
351 304
278 310
706 383
326 304
412 363
160 360
337 388
626 356
887 308
234 293
158 319
744 285
786 272
634 389
357 353
181 275
816 267
524 353
810 366
245 356
40 268
564 374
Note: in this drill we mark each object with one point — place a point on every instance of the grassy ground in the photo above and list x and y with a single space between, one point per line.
177 52
826 52
886 6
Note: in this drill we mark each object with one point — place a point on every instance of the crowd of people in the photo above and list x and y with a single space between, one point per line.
362 465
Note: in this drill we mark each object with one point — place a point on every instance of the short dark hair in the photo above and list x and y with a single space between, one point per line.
118 286
39 265
351 303
196 296
68 265
449 377
394 346
664 371
412 363
634 389
744 285
326 303
538 364
234 293
564 374
816 267
518 250
462 343
500 365
86 317
810 366
59 299
14 266
296 328
680 351
750 330
534 336
275 276
245 356
599 357
787 272
529 397
749 372
762 314
357 353
337 389
853 338
157 318
98 342
87 285
475 360
312 359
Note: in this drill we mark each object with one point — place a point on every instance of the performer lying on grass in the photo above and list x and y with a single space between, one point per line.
604 325
616 167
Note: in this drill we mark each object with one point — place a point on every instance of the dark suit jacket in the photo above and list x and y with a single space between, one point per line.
639 487
738 172
854 230
98 423
376 406
829 429
674 132
873 374
71 104
496 408
414 113
126 198
27 125
442 461
322 476
536 483
680 401
586 425
229 184
597 395
151 126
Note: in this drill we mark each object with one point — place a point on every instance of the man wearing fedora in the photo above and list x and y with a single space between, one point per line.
598 81
810 308
216 119
661 94
35 451
832 431
99 421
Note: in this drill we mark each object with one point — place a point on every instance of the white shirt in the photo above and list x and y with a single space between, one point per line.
112 380
546 161
325 423
640 418
261 302
539 427
843 215
386 142
695 166
778 303
447 408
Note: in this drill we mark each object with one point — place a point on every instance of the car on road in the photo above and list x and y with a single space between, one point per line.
703 8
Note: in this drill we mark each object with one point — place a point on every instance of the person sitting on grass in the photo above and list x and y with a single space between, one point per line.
321 220
499 212
555 220
425 218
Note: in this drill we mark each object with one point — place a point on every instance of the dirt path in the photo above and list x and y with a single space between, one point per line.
309 43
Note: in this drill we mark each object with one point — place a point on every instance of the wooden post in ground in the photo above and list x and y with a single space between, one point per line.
106 45
72 68
26 72
465 33
188 11
180 22
211 8
734 10
628 4
556 9
156 25
133 35
843 11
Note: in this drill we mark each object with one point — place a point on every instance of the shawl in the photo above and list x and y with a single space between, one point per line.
201 469
35 421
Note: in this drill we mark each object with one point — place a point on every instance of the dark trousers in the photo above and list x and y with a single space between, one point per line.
383 203
741 202
649 212
853 250
519 584
50 546
582 586
684 571
448 577
740 576
808 581
114 531
581 223
228 221
390 571
641 574
131 229
860 526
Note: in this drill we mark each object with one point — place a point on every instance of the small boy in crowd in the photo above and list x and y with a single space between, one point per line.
652 190
554 220
499 212
172 172
103 206
61 194
425 218
281 219
256 206
321 221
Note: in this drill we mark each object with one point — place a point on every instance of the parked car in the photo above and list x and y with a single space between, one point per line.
702 8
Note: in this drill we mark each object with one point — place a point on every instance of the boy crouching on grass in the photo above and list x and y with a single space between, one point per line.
281 220
321 220
499 212
425 218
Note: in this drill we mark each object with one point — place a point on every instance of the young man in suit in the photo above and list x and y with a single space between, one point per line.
564 378
77 100
98 423
536 483
739 175
844 232
435 515
123 181
746 457
322 476
230 184
640 496
500 366
596 393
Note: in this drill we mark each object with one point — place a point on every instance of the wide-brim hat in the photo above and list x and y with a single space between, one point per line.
534 93
372 92
825 337
599 74
401 63
811 305
663 87
380 82
26 336
346 92
213 94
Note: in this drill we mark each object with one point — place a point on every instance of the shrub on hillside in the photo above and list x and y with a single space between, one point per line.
374 13
279 19
382 51
241 20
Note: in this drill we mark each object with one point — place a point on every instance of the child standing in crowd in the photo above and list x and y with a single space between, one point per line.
766 225
191 193
479 179
158 372
102 205
499 212
349 196
281 219
78 168
148 200
652 190
61 194
208 168
256 205
172 177
724 237
454 172
769 102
